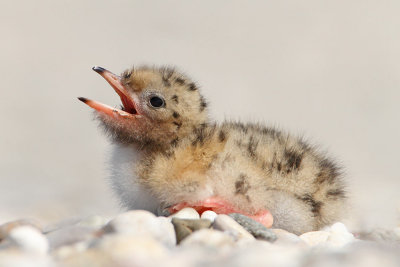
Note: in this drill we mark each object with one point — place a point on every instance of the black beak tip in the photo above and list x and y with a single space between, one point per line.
98 69
83 99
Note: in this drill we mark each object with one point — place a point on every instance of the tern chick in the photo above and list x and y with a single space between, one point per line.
167 152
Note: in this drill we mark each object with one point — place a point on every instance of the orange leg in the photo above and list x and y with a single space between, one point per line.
220 206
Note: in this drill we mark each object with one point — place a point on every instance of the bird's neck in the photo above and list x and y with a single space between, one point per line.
168 143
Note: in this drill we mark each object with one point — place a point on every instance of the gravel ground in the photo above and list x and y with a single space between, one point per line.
139 238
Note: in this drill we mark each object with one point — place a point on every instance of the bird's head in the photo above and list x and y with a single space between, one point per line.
159 106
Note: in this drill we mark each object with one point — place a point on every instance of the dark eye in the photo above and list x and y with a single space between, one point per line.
156 101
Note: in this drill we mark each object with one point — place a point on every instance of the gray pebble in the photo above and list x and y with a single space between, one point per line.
380 235
61 224
162 210
286 238
184 227
94 222
227 224
255 228
69 235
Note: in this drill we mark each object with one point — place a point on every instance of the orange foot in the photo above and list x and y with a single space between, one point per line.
220 206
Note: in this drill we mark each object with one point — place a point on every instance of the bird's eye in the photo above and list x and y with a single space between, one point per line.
156 102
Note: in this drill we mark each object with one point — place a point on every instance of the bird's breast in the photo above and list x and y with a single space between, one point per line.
125 182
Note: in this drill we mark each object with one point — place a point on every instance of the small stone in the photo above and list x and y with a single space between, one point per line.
227 224
315 237
380 235
7 227
61 224
93 222
339 235
69 235
28 239
186 213
90 257
131 250
17 258
365 254
143 223
66 251
184 227
209 215
264 253
396 232
286 238
209 238
255 228
163 210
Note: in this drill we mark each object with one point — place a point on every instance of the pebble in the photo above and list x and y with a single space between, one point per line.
28 239
7 227
89 257
16 258
209 215
209 238
226 224
339 235
361 254
143 223
162 210
396 232
186 213
184 227
381 235
335 235
61 224
69 235
315 237
138 238
286 238
66 251
255 228
94 222
130 250
264 253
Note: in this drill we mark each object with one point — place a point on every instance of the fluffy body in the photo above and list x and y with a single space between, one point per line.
179 155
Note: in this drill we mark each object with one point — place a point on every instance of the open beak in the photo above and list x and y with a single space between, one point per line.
128 110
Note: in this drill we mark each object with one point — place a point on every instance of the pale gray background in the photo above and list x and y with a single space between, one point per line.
327 69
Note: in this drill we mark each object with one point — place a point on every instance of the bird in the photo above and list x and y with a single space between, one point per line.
168 153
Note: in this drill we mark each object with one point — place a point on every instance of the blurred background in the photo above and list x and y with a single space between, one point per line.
329 70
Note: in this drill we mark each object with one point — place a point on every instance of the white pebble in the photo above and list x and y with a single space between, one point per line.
315 238
129 250
209 215
339 235
397 232
338 228
143 223
335 235
208 238
29 239
186 213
